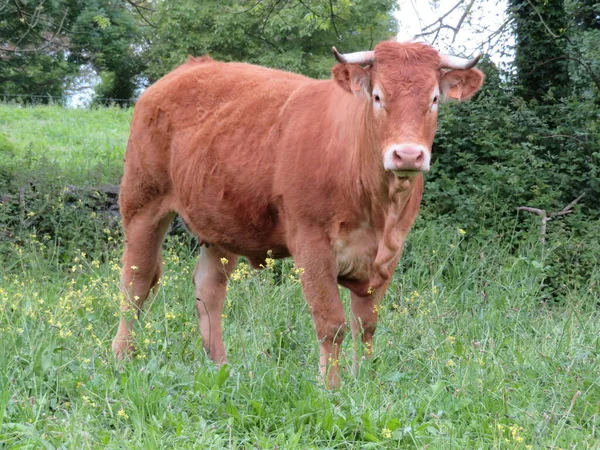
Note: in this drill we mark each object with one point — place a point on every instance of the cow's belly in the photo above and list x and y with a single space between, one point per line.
355 254
253 235
227 201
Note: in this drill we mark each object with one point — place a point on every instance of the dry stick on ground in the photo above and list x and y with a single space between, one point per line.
547 217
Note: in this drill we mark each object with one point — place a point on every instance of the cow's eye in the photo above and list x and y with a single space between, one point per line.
376 98
435 99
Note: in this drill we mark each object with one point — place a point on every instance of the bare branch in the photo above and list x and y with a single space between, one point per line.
435 31
43 47
547 217
337 33
567 209
435 27
462 19
500 29
137 5
539 212
441 18
262 38
138 8
550 32
564 136
271 11
258 2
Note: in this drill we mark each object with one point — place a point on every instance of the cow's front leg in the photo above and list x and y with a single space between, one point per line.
365 311
319 283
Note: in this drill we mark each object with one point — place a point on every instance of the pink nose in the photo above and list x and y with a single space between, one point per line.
409 158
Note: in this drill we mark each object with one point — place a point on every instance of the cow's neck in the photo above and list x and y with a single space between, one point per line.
387 196
396 226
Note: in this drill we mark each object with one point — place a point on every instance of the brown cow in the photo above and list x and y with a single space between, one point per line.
257 160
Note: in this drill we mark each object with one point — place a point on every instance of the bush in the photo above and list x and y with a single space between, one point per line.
8 152
498 152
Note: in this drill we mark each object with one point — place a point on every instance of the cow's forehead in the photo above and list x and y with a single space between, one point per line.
406 53
406 68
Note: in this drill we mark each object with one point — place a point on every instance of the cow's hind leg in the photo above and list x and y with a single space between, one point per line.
144 234
210 278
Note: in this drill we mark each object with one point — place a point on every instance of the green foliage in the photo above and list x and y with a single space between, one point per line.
295 37
572 259
53 166
8 169
498 152
46 41
107 35
37 76
585 12
542 66
584 66
34 57
485 336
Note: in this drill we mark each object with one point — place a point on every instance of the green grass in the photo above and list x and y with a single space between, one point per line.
466 354
86 144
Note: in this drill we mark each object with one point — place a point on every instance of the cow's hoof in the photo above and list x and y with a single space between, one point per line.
122 348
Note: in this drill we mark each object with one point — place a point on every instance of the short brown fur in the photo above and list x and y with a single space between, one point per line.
257 160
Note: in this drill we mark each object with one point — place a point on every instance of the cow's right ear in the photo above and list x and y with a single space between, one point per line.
461 84
353 78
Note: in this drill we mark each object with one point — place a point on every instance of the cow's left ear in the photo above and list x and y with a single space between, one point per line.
353 78
461 84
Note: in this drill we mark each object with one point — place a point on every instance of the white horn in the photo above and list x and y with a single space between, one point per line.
454 62
354 58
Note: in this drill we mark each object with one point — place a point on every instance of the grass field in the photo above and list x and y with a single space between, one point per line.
467 355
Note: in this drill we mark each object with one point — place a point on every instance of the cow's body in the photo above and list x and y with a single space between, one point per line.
256 161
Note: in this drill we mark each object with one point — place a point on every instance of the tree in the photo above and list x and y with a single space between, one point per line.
34 47
583 38
43 44
288 35
107 35
541 53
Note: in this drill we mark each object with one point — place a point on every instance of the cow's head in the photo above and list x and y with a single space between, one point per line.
403 84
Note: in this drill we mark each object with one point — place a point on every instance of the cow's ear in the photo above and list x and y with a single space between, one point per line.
461 84
353 78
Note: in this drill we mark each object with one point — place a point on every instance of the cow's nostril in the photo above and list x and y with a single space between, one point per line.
406 158
397 157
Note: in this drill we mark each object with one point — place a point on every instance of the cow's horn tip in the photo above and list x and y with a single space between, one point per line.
337 54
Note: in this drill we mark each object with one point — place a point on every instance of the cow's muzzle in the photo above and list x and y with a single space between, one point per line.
406 159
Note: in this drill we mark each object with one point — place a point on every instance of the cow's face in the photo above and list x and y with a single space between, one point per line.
403 85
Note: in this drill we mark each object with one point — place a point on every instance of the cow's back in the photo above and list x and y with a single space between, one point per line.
201 136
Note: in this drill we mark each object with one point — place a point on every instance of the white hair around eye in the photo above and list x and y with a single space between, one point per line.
377 97
435 99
